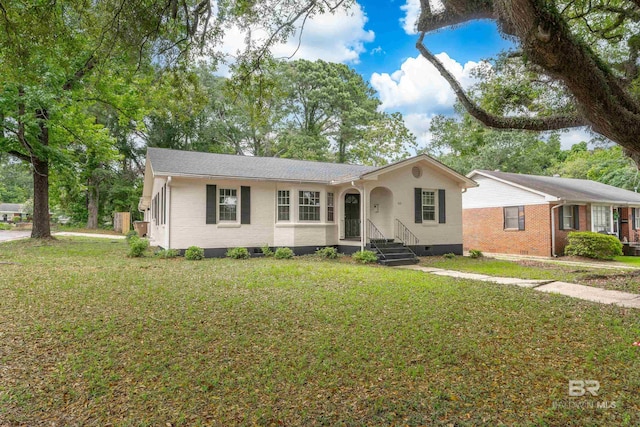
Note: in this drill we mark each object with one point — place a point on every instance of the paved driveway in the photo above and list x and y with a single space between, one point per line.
5 235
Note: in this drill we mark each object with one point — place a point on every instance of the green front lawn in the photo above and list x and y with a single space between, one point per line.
90 337
625 280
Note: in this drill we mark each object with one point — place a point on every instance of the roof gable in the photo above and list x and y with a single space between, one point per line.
566 189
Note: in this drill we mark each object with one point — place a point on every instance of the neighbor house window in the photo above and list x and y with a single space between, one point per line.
428 205
601 216
309 205
636 218
514 218
567 217
283 205
228 204
330 207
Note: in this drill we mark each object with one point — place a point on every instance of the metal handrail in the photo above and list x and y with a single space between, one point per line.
405 235
375 237
374 233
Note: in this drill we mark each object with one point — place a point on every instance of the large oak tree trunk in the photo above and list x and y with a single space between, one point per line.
92 207
41 226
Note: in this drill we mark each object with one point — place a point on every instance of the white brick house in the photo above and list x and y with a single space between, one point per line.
219 201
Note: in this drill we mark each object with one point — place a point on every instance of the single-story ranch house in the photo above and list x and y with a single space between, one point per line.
12 212
532 215
220 201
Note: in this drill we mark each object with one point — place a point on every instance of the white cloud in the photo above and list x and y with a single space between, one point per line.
417 87
419 124
337 37
412 13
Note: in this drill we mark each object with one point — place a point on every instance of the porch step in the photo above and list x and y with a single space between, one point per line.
395 262
393 253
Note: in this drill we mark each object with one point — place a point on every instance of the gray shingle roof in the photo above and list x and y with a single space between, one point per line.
11 207
176 162
569 189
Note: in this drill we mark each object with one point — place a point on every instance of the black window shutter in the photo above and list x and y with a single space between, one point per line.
633 218
576 217
561 218
245 205
418 205
211 204
442 207
520 217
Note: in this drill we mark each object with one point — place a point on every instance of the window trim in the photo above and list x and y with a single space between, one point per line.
609 217
316 207
569 209
520 218
330 206
221 205
282 205
636 225
434 194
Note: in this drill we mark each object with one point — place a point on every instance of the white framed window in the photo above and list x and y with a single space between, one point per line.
330 209
567 217
636 224
228 203
513 217
284 205
309 205
428 205
601 218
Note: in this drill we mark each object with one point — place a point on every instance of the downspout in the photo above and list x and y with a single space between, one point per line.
364 218
168 213
553 229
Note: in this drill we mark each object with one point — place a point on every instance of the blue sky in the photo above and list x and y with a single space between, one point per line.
377 39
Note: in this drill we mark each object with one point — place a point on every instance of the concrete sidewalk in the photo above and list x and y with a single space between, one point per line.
588 293
96 235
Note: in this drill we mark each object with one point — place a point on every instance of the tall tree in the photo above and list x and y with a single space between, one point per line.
54 56
465 144
586 51
332 114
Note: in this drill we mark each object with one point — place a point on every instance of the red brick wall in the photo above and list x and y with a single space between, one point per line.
584 215
483 229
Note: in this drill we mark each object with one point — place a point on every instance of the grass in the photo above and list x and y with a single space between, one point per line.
606 278
91 337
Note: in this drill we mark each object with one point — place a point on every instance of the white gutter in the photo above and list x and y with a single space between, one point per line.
553 229
167 223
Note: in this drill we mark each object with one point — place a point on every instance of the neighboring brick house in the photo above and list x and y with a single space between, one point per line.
532 215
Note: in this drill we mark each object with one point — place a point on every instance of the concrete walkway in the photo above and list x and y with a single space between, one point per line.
96 235
588 293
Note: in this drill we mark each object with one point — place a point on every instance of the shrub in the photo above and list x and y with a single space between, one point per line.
475 253
137 247
266 251
4 226
194 253
168 253
365 257
593 245
238 253
450 255
131 234
328 252
283 253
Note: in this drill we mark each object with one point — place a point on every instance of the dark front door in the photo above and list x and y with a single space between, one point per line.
352 216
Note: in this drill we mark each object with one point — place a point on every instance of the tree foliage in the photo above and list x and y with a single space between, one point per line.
582 56
59 59
465 144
